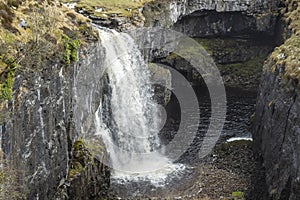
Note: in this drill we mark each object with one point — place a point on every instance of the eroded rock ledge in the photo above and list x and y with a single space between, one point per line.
167 13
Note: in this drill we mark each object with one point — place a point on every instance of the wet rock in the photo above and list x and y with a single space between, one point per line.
161 77
37 137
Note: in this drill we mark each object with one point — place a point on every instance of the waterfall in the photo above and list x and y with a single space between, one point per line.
128 119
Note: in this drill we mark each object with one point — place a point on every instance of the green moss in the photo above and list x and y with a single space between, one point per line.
236 143
218 44
79 145
226 46
237 195
187 53
6 87
287 55
2 177
81 157
230 46
246 69
76 168
27 48
71 47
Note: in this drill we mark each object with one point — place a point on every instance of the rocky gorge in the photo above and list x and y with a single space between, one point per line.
48 120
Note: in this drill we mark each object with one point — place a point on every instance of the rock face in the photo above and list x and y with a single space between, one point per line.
167 13
162 79
39 137
276 127
87 179
276 134
237 34
239 61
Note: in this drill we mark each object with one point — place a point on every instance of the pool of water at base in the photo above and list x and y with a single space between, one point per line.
240 108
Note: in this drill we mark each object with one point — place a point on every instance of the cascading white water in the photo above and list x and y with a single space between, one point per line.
132 141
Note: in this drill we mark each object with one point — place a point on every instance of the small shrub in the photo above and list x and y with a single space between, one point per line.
6 86
71 47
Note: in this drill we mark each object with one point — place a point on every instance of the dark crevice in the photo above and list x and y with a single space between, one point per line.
207 23
286 122
286 192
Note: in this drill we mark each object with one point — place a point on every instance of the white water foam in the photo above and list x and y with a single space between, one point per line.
132 136
239 138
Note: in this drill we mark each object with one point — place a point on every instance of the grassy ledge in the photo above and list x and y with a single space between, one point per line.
287 55
109 8
32 32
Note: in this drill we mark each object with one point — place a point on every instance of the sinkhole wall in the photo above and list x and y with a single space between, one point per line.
239 35
51 109
276 127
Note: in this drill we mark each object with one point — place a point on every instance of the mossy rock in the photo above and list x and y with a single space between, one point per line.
238 195
43 38
287 55
81 157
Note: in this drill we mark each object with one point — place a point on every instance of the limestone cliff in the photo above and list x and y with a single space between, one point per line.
261 15
276 126
40 84
239 35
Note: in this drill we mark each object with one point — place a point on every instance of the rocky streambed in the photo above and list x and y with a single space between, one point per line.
229 172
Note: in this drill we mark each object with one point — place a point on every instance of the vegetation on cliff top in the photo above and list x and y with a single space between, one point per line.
109 8
287 55
35 31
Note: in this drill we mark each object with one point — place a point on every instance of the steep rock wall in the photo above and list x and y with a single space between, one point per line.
276 126
38 138
276 134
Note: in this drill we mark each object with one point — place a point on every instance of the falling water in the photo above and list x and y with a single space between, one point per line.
131 135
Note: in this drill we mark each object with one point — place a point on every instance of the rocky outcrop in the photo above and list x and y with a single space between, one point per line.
276 134
88 178
123 15
38 137
210 14
276 126
239 35
239 61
